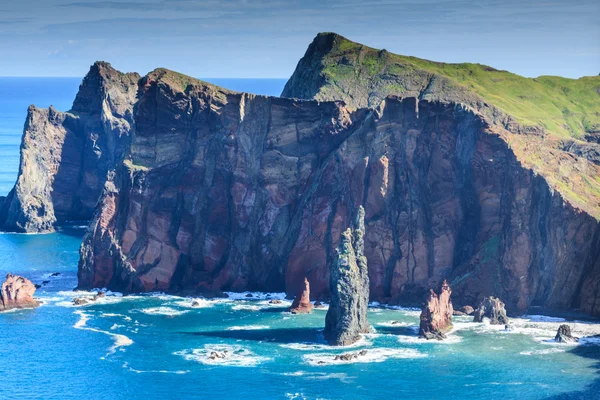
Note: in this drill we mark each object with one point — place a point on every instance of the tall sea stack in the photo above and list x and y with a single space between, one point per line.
436 317
349 285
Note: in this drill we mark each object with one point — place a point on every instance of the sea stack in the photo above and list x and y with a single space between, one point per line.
563 335
349 285
302 304
436 317
17 292
492 308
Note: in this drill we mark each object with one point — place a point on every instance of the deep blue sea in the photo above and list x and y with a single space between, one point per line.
158 346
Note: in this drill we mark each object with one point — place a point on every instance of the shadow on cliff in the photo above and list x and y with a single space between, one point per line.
282 335
593 390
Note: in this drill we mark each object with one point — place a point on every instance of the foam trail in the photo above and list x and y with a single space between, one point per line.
119 340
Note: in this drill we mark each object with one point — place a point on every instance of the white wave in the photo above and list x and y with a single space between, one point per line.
372 355
248 327
228 355
195 303
138 371
541 352
255 296
109 315
542 318
120 341
308 346
320 376
450 339
246 307
169 311
394 323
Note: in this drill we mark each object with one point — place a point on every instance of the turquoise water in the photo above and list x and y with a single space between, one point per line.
158 346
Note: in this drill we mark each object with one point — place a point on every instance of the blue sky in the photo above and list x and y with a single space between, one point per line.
265 39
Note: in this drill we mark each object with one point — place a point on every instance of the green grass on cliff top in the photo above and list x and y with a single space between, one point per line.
564 107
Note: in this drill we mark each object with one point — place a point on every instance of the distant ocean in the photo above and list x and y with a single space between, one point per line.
158 346
16 94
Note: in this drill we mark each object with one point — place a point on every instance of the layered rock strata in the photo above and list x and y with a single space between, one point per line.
302 304
65 156
17 292
346 317
493 309
436 316
230 191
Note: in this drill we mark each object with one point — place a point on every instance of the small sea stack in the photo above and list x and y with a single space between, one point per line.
349 285
492 308
563 335
17 292
436 316
302 304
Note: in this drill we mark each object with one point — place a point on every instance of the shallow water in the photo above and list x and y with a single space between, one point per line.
159 347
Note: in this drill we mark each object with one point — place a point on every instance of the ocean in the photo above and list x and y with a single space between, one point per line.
158 346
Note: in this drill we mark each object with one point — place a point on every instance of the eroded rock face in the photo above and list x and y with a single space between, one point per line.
436 316
302 304
17 292
65 156
230 191
346 318
493 309
563 335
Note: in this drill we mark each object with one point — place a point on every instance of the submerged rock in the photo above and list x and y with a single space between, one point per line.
436 316
347 315
492 308
350 356
302 304
81 301
563 335
17 292
275 301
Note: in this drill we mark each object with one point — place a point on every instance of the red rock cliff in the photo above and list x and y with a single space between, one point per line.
234 191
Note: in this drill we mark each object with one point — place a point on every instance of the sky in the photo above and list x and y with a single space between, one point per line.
265 39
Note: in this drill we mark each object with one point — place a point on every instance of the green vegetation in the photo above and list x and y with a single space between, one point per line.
564 107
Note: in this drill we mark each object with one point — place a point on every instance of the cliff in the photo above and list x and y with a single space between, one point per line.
465 173
556 120
231 191
65 156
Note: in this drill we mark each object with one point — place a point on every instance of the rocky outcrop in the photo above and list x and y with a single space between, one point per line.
493 309
65 156
302 304
17 292
563 335
436 316
231 191
346 318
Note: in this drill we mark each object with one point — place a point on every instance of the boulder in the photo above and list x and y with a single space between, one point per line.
436 316
467 310
302 304
17 292
318 304
275 301
492 308
346 318
563 335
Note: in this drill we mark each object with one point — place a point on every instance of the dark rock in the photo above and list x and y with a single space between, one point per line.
318 304
17 292
493 309
195 303
436 316
302 304
45 283
80 301
350 356
563 335
346 318
37 286
275 301
249 295
54 274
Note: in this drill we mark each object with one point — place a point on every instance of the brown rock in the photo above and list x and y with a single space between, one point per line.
468 310
275 301
492 308
302 304
436 316
17 292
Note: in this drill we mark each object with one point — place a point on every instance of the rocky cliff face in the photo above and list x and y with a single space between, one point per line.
346 318
233 191
436 316
17 292
65 156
